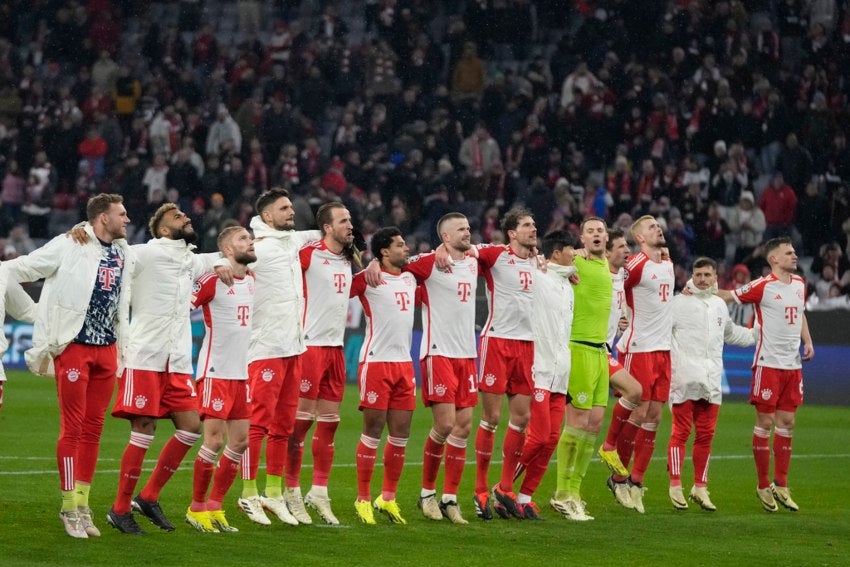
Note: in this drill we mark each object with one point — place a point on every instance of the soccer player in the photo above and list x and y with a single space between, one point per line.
777 389
80 318
645 345
326 267
552 324
157 378
701 324
385 375
447 360
277 340
17 303
506 353
222 379
588 384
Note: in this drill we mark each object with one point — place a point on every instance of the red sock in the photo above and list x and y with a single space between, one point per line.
644 447
781 455
323 449
535 468
761 453
393 464
626 445
225 474
295 452
431 460
511 453
455 463
251 457
619 418
367 451
168 463
484 441
201 477
277 447
131 469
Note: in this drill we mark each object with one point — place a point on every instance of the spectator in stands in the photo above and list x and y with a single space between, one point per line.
779 204
746 225
468 74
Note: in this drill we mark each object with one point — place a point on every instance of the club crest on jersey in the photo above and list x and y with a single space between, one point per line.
305 386
719 321
744 289
766 394
440 390
267 374
612 362
140 402
218 404
489 379
371 397
539 396
196 287
73 374
408 280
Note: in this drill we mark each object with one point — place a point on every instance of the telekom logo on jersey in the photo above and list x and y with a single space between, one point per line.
339 282
243 313
106 277
525 280
791 315
664 292
464 290
402 299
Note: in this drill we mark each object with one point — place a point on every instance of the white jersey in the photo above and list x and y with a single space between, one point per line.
649 291
779 313
510 282
552 325
227 326
618 306
389 316
327 284
448 306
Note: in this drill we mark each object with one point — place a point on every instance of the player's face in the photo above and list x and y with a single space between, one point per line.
650 234
280 215
704 277
179 226
618 254
525 233
594 236
456 234
116 221
397 253
340 229
563 257
785 258
242 247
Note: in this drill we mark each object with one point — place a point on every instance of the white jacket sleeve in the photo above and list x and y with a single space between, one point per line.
18 303
737 335
40 263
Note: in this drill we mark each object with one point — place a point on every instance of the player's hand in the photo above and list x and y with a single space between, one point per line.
581 252
623 323
574 279
808 351
78 234
441 257
687 291
542 263
225 274
372 273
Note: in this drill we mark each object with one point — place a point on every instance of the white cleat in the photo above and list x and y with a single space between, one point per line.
292 497
322 506
430 508
253 508
783 496
86 521
73 525
677 497
700 496
768 502
621 493
570 509
277 506
636 494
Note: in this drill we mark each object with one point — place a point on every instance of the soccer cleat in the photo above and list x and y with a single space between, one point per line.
530 511
152 511
295 504
364 511
481 502
508 500
200 521
390 509
451 510
677 497
612 459
699 494
783 496
430 508
501 511
124 523
322 506
73 525
569 508
582 506
620 490
636 493
254 510
765 496
86 521
219 521
277 506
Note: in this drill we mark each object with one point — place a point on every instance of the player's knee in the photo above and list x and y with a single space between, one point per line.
143 424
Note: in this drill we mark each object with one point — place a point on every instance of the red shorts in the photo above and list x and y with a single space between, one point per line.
614 365
774 389
547 418
449 381
154 394
387 385
274 393
505 366
224 399
652 370
322 373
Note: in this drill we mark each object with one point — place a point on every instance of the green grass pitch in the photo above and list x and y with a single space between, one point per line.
739 533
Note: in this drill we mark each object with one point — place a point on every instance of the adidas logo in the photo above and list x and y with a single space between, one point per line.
326 262
654 277
511 262
230 291
778 297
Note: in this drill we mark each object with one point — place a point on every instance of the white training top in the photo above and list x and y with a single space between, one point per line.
552 325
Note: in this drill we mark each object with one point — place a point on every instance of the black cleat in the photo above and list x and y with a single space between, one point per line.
124 523
482 506
153 512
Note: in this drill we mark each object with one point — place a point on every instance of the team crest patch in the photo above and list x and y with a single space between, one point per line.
581 397
218 404
440 390
490 379
140 402
196 287
73 374
305 386
766 394
612 361
371 397
267 374
539 396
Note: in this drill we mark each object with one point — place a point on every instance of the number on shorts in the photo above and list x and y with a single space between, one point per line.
191 387
472 387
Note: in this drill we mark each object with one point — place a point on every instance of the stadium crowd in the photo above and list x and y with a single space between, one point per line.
728 120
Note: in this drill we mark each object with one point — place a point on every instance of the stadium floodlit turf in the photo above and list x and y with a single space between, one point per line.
739 533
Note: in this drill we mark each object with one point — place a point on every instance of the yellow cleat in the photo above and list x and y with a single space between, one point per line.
612 459
390 509
219 521
364 511
200 521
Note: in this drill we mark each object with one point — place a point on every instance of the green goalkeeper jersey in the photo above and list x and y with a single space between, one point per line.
592 300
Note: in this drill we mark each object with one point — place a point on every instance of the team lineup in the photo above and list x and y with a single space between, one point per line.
271 366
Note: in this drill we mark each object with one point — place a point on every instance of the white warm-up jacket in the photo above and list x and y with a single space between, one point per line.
160 331
701 325
277 330
69 271
552 323
17 303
